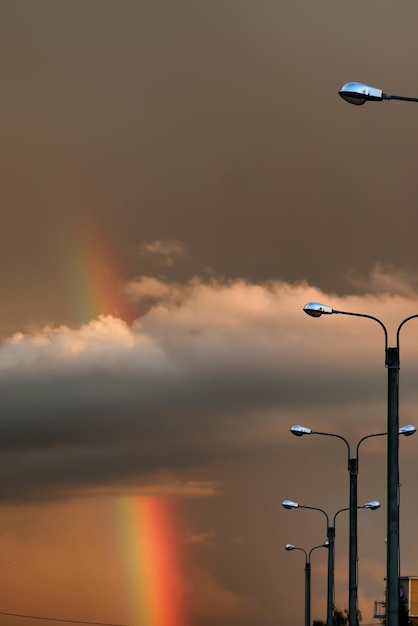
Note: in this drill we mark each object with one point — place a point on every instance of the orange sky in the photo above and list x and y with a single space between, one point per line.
178 180
193 404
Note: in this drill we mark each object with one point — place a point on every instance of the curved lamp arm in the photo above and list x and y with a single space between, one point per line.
299 431
406 431
372 505
290 504
368 437
323 545
315 309
289 547
411 317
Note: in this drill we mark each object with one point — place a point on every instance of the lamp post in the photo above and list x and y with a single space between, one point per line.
289 547
357 93
353 466
289 504
392 363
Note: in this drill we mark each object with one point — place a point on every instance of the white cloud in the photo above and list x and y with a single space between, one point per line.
386 279
164 251
212 368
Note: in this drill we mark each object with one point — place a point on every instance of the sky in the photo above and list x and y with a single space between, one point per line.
178 180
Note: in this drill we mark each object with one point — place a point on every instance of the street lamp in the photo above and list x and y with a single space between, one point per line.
357 93
289 504
353 465
392 363
289 547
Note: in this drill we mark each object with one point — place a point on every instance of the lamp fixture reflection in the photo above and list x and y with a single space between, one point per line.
407 430
358 94
289 504
373 505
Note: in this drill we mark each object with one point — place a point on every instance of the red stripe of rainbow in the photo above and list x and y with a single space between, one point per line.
151 547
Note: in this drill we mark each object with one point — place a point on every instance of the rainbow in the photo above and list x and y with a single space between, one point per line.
95 276
151 550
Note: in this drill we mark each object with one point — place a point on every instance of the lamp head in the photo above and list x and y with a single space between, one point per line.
357 93
373 505
315 309
289 546
407 430
289 504
299 431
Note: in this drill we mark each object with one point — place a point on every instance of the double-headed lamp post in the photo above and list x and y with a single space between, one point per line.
392 363
353 466
289 547
289 504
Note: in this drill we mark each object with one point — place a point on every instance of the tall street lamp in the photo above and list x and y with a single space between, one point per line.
392 363
289 547
353 466
289 504
357 93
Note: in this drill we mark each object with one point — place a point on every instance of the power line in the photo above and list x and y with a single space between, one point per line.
57 619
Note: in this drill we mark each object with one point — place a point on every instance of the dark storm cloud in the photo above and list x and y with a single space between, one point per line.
212 370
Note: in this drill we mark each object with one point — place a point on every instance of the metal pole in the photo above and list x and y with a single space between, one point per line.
352 569
307 593
392 573
393 364
353 468
330 587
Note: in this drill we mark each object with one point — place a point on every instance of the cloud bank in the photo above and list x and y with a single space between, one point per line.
214 368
